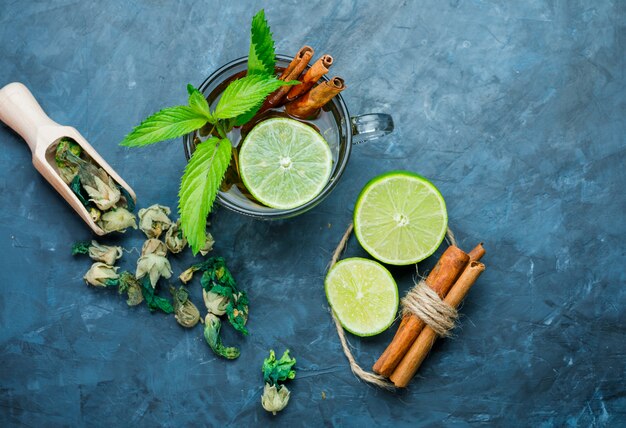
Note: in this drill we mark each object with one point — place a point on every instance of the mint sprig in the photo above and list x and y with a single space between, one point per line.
238 104
261 59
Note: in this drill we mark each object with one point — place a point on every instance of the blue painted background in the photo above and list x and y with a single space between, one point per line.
515 110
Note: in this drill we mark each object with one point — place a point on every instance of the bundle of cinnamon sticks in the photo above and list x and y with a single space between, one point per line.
305 100
451 278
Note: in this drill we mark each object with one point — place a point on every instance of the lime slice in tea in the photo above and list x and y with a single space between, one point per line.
363 295
400 218
284 163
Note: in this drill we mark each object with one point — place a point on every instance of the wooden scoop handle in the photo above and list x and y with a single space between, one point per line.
20 111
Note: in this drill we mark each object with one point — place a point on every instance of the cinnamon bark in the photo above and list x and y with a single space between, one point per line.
418 351
292 72
310 78
477 252
309 104
447 270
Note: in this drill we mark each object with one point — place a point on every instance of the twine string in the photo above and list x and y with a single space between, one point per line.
423 302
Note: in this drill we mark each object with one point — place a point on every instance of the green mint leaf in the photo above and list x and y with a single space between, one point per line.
198 102
247 93
199 187
166 124
261 59
242 119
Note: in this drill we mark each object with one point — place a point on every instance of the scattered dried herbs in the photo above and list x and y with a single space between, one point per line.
94 188
102 275
212 326
185 311
276 396
154 302
98 252
154 220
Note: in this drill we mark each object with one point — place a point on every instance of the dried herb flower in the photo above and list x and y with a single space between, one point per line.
95 214
275 399
218 279
208 245
212 326
174 238
102 190
98 252
102 275
154 266
187 275
215 303
67 170
154 246
154 220
130 285
185 311
117 220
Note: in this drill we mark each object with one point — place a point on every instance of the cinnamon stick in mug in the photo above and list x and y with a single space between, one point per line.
418 351
292 72
311 102
310 78
449 267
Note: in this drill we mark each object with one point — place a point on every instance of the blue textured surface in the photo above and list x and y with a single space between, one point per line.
515 110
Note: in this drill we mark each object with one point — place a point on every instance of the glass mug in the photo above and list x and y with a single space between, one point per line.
341 132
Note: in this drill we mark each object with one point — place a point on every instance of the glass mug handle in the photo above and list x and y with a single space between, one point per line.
370 126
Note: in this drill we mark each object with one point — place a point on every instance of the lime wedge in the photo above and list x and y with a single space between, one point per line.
363 295
400 218
284 163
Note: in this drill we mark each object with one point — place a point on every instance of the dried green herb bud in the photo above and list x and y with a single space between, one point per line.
102 275
174 238
215 303
61 155
68 173
155 266
278 370
154 246
208 245
102 191
117 220
185 311
131 286
154 220
212 326
95 214
98 252
187 275
275 399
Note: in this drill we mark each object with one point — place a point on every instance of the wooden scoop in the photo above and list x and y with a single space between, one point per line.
20 111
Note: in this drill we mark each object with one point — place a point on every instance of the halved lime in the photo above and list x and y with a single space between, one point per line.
400 218
363 295
284 163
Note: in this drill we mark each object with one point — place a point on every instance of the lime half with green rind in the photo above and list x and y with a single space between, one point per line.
284 163
363 295
400 218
